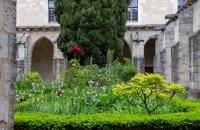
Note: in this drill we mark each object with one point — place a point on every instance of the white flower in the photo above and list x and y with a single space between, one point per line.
91 82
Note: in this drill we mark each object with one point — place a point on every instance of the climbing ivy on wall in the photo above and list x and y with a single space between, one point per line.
93 25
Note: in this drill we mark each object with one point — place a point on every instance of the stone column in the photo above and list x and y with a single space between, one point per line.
7 63
185 31
20 61
21 54
59 63
194 89
159 48
168 42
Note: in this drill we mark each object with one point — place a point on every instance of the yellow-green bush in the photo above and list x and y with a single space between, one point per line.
150 90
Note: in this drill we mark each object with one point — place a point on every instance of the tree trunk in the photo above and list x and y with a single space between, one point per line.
7 63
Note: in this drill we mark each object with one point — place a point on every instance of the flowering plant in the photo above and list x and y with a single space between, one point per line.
151 90
75 49
59 92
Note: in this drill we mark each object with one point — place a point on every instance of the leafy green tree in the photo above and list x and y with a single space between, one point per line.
151 91
93 25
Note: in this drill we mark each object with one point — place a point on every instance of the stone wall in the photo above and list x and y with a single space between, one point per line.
168 43
137 48
33 13
194 54
194 90
27 39
174 62
185 31
196 21
176 59
154 11
7 64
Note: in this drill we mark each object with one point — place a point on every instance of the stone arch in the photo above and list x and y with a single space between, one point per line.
126 50
149 53
42 58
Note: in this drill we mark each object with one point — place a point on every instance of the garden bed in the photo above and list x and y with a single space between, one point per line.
180 120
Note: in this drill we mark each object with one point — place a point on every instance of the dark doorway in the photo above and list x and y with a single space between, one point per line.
149 53
126 51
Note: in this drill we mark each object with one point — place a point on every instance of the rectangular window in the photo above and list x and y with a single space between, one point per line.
133 11
180 3
51 11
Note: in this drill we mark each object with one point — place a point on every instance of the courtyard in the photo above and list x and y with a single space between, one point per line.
99 65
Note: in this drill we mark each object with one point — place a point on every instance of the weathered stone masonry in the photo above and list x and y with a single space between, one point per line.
7 64
181 61
40 38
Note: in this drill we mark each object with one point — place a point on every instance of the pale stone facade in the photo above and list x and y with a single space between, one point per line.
181 49
176 41
36 40
32 24
154 11
7 64
151 19
33 13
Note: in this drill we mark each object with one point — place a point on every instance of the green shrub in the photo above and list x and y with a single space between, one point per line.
150 90
32 77
181 120
87 90
125 71
28 79
21 85
23 90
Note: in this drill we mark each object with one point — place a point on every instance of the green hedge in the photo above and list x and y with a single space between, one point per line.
181 120
106 121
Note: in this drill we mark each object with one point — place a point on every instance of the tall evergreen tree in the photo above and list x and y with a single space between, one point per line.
94 25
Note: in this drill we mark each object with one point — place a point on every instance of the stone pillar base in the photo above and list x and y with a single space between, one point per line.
194 94
58 66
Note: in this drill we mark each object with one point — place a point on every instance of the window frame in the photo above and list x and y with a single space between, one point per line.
51 8
181 3
133 11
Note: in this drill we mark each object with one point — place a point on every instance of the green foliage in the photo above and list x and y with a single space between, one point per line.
74 62
125 71
110 57
151 91
181 120
24 87
32 77
94 25
87 89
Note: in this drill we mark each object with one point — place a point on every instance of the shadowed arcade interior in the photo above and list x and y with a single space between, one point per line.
42 58
149 53
126 51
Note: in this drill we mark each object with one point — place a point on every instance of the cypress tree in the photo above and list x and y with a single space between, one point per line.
94 25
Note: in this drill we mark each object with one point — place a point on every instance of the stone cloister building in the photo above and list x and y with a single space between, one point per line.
161 37
146 17
169 47
37 33
177 48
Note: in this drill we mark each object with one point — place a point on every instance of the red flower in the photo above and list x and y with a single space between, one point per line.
59 92
76 49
